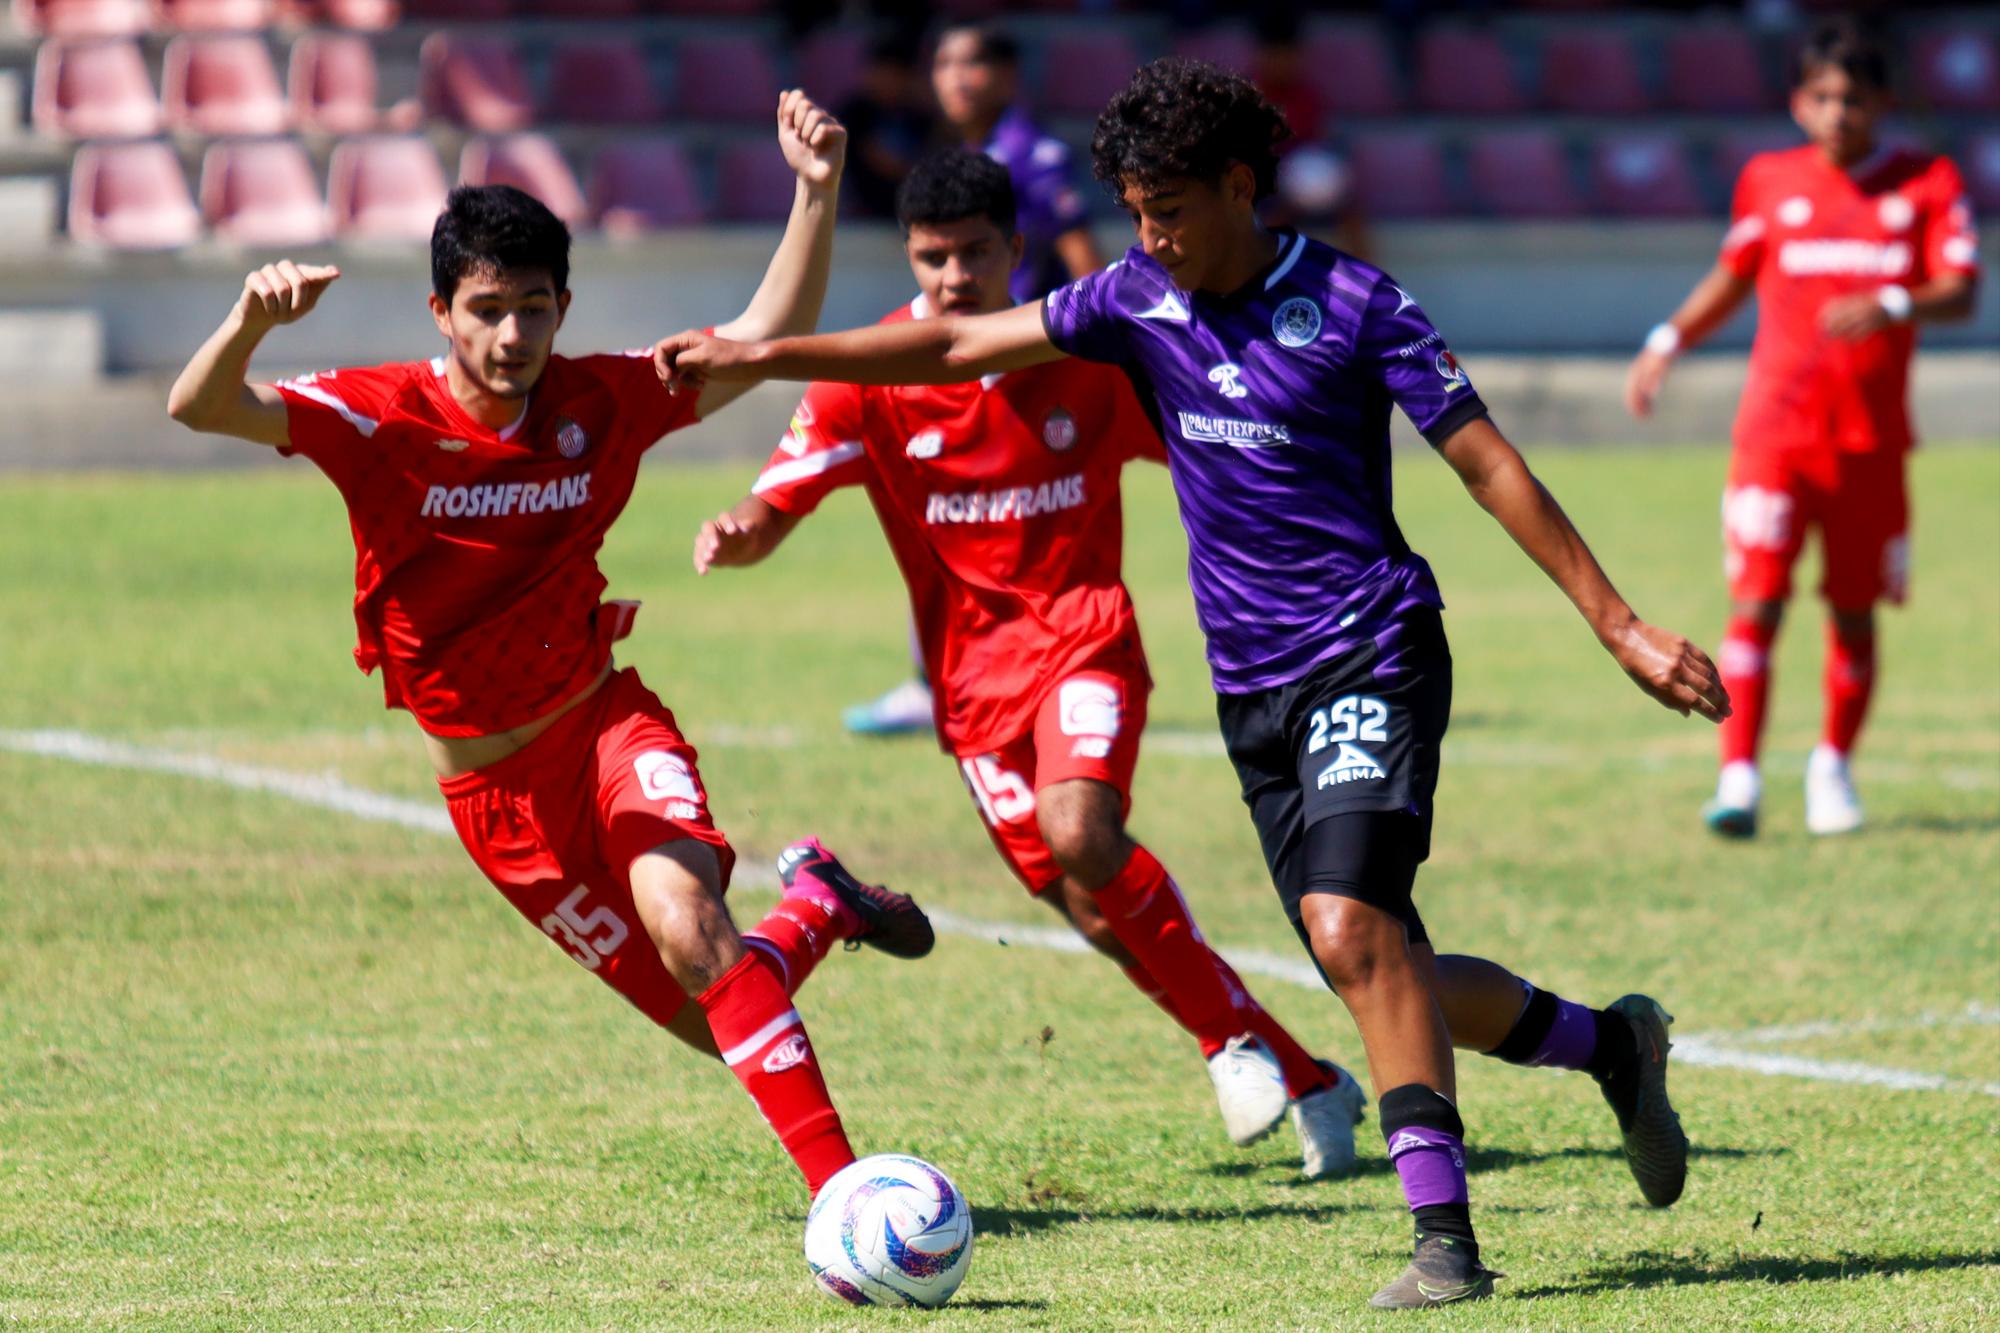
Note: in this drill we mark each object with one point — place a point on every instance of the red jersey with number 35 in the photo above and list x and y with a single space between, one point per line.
1807 231
477 590
1000 501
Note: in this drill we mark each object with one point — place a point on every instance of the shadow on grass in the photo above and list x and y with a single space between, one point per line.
1940 823
997 1221
1652 1269
1000 1305
1485 1159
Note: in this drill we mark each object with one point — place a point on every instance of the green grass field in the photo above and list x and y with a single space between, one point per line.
266 1065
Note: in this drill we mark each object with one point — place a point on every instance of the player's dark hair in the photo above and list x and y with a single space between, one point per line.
1846 45
995 45
1182 119
953 184
495 228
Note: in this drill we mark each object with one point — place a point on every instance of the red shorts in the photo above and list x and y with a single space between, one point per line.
1087 727
1858 502
557 825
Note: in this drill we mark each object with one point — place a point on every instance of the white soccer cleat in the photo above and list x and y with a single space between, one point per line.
1831 805
1249 1087
1733 812
1325 1121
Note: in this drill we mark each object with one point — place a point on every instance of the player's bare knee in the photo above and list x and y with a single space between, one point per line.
1353 942
1081 823
1768 614
677 890
1853 624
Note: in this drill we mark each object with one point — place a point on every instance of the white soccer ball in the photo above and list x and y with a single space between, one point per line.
890 1230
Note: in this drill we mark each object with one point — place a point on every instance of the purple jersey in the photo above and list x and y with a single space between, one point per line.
1274 404
1048 200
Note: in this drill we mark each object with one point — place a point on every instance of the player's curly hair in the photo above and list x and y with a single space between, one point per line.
495 227
1182 119
953 184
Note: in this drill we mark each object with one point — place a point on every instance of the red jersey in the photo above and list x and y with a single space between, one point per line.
476 581
1808 231
1000 501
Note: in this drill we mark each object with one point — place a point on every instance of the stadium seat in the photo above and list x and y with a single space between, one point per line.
216 84
1592 71
644 185
262 192
1523 174
130 196
1959 69
602 83
1736 147
1645 175
529 162
725 78
595 9
332 82
1230 47
1715 68
1400 174
1466 72
462 11
1082 70
94 89
386 187
477 82
831 63
363 15
83 18
1353 71
218 15
1980 158
753 184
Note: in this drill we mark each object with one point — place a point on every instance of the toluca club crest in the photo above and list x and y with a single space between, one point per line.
1059 430
571 442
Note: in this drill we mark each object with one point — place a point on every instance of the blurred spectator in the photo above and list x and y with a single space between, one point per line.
889 123
1315 182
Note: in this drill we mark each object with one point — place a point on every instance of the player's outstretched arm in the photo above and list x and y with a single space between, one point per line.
1711 303
742 535
210 395
1660 662
947 349
788 300
1945 299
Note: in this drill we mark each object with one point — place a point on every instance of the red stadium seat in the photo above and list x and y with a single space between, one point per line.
529 162
1715 68
94 90
477 82
831 63
1645 175
333 83
218 15
262 192
593 9
222 85
1593 71
716 8
83 18
385 188
644 185
1736 147
1353 71
1980 159
753 184
1959 69
1466 72
725 78
130 196
1231 48
1082 70
1400 174
602 83
1522 174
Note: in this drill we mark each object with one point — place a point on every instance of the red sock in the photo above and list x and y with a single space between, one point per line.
792 939
1744 661
1302 1073
1848 684
1145 911
764 1043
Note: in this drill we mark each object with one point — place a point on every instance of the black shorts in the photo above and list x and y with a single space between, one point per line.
1339 770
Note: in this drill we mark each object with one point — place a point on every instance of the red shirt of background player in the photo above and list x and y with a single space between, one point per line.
477 590
1000 501
1806 231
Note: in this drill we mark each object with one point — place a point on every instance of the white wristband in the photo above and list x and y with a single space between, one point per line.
1664 340
1895 301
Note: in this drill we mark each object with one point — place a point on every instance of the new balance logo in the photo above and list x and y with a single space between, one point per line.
788 1054
1352 764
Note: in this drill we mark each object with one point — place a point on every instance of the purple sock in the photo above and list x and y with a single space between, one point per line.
1431 1165
1571 1039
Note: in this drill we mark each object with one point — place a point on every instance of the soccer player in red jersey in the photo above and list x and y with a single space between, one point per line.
1848 244
479 485
1000 501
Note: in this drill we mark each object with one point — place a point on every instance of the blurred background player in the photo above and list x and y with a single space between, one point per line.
976 77
1848 243
480 485
1000 500
889 122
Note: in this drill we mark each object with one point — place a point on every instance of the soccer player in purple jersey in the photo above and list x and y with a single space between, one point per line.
1271 364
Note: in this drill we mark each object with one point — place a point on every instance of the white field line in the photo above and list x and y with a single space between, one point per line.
328 792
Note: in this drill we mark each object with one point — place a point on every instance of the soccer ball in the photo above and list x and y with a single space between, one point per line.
889 1230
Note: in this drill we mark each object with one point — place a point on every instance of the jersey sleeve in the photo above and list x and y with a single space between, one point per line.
1951 242
330 415
1743 244
1408 356
820 452
647 410
1083 318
